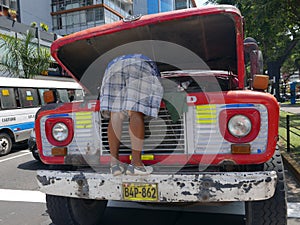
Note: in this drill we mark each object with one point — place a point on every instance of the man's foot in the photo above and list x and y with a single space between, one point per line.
117 169
139 170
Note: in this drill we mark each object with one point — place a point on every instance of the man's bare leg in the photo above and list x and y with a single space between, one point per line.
137 133
114 132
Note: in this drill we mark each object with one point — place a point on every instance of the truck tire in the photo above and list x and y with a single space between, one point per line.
5 144
75 211
273 210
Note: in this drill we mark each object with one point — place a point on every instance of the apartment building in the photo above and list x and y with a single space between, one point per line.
69 16
154 6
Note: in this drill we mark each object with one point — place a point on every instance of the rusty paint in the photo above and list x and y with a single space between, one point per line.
83 186
212 187
43 180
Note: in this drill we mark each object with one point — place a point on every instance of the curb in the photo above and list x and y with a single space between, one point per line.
291 164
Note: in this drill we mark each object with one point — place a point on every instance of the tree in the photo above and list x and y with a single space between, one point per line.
275 24
21 57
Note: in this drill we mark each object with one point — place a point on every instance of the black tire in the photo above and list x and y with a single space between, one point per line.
75 211
36 155
5 144
273 210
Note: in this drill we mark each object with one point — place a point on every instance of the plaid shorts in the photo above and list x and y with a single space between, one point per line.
131 82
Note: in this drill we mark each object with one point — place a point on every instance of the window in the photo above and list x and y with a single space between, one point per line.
28 97
152 6
99 14
166 5
41 94
181 4
62 95
8 98
75 95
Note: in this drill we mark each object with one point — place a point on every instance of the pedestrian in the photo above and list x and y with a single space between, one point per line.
130 88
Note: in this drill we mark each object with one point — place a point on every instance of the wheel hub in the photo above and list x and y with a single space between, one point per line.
3 144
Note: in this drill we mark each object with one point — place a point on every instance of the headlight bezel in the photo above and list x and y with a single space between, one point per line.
252 114
55 123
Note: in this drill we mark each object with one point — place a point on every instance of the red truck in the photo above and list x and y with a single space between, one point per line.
214 141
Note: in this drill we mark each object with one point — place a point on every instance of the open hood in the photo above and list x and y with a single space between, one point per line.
198 38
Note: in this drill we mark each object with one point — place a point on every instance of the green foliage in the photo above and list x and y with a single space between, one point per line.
294 135
275 24
21 57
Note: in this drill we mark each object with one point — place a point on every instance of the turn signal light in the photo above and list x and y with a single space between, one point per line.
240 149
59 151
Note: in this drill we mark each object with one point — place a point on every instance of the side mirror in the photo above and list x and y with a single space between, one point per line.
49 97
260 82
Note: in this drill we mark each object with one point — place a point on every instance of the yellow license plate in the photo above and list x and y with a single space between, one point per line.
140 192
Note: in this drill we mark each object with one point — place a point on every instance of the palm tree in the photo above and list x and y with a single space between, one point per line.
21 57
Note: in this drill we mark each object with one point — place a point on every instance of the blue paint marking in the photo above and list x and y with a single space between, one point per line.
58 115
258 150
19 127
230 106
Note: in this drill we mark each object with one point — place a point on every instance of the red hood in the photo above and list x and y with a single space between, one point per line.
197 38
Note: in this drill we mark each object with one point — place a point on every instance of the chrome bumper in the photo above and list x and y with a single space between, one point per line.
201 187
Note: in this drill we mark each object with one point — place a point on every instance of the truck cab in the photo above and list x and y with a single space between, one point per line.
215 137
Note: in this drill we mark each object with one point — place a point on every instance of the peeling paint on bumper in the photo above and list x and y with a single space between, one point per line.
200 187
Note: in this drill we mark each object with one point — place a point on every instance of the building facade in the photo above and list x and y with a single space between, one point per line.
35 11
155 6
69 16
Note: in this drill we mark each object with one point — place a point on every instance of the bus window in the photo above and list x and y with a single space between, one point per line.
8 98
29 97
71 95
62 95
78 95
41 94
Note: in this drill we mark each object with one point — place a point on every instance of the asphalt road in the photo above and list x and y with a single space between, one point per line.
22 203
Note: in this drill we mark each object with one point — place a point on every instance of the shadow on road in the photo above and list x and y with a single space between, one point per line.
33 165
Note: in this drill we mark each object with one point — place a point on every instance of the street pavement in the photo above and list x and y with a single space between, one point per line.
292 108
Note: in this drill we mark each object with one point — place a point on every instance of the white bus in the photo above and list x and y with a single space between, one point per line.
19 101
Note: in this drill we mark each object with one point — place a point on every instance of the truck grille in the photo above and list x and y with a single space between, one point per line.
162 136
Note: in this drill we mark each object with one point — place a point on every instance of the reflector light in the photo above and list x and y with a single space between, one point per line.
240 149
59 151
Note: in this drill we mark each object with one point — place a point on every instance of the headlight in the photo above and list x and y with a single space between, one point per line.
60 131
239 125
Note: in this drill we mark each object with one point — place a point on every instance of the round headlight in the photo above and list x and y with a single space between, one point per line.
60 131
239 125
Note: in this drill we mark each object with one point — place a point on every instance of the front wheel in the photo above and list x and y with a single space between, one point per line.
75 211
5 144
273 210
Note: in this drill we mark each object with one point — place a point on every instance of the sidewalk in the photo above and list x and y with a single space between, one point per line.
290 108
289 160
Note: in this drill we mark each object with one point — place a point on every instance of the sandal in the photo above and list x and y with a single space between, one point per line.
139 170
117 169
